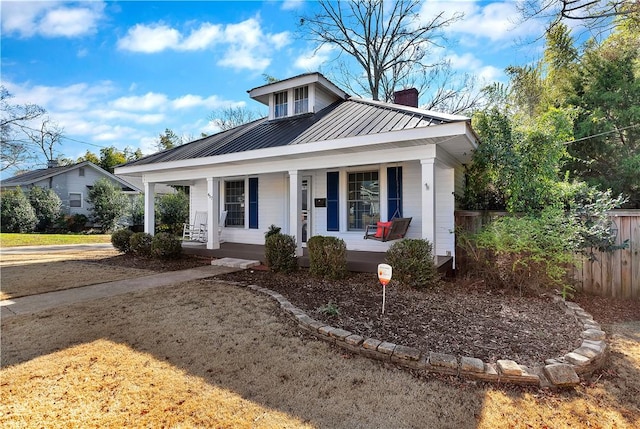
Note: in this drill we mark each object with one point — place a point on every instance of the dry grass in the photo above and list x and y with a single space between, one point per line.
28 274
209 354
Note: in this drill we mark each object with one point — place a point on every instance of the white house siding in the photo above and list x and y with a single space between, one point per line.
445 206
459 181
322 98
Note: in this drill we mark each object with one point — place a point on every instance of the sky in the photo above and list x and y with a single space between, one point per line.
118 73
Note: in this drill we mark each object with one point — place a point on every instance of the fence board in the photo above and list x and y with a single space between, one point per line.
614 274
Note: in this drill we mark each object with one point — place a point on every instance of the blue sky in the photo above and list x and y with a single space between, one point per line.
119 73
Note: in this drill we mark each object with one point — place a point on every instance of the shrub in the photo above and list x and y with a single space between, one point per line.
121 240
173 211
280 253
166 246
16 214
137 210
140 243
46 204
109 203
272 230
528 252
327 257
412 263
75 223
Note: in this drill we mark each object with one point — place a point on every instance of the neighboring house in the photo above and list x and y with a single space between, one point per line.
70 182
321 163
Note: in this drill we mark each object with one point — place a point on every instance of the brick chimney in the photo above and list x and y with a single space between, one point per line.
406 97
52 163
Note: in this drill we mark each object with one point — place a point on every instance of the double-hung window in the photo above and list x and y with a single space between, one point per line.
234 203
301 100
281 104
363 199
75 199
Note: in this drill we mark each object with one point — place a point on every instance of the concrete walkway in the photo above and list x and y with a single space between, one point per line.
45 301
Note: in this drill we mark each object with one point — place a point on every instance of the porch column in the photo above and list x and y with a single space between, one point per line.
295 209
429 201
149 208
213 212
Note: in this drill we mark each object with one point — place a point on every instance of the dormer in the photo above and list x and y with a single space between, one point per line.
307 93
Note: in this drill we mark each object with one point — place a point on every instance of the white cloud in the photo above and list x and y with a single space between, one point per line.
51 19
149 101
149 39
190 101
313 59
497 21
245 44
292 4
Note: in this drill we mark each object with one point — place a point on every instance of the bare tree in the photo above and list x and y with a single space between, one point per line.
231 117
46 137
455 94
592 14
391 46
13 150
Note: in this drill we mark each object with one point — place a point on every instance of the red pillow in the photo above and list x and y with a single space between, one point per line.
382 229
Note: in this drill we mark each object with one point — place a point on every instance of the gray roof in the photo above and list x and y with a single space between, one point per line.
34 176
343 119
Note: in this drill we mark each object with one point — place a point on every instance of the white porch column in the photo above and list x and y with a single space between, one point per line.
295 209
149 208
429 201
213 212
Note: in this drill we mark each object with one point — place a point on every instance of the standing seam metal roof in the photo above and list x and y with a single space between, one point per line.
343 119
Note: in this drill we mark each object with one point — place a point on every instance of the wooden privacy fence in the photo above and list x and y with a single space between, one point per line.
615 274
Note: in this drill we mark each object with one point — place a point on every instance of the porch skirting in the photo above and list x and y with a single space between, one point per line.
357 261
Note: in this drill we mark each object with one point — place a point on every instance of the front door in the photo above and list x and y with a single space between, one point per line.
307 208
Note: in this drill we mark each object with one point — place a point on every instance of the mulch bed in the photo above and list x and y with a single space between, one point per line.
461 317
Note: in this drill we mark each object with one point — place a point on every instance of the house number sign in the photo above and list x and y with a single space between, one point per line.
384 275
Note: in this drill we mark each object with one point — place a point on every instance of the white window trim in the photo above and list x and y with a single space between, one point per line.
81 200
246 199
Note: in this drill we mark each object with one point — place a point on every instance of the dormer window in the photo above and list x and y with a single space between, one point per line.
281 104
301 100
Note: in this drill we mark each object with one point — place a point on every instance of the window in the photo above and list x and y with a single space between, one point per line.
81 171
75 199
301 100
234 203
363 199
281 104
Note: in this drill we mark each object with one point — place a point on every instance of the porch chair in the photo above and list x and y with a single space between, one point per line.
388 231
198 230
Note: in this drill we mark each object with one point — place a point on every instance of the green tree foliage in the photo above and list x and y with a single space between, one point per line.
89 156
110 157
109 204
168 140
16 214
173 211
47 205
606 93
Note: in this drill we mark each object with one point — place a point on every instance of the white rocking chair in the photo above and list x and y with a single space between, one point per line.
197 231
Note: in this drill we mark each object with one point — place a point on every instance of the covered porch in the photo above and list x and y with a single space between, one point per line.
357 261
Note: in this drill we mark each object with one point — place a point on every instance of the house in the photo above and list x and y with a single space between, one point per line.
70 182
321 163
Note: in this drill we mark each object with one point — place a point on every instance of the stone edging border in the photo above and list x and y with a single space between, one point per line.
563 371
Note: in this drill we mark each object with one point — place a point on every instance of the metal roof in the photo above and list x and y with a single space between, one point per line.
343 119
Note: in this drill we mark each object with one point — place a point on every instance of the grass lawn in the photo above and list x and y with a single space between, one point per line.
13 240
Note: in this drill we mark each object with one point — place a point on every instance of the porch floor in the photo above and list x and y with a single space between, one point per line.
357 261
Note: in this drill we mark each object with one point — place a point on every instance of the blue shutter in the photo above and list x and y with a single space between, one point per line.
253 202
333 191
394 192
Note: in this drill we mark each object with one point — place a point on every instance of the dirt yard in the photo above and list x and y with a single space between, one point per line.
206 353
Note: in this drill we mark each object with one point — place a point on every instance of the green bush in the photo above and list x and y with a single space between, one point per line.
272 230
173 211
108 202
140 244
16 214
166 246
412 263
327 257
280 253
529 253
121 240
46 204
75 223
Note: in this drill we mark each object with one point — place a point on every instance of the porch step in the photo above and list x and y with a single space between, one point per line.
235 263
